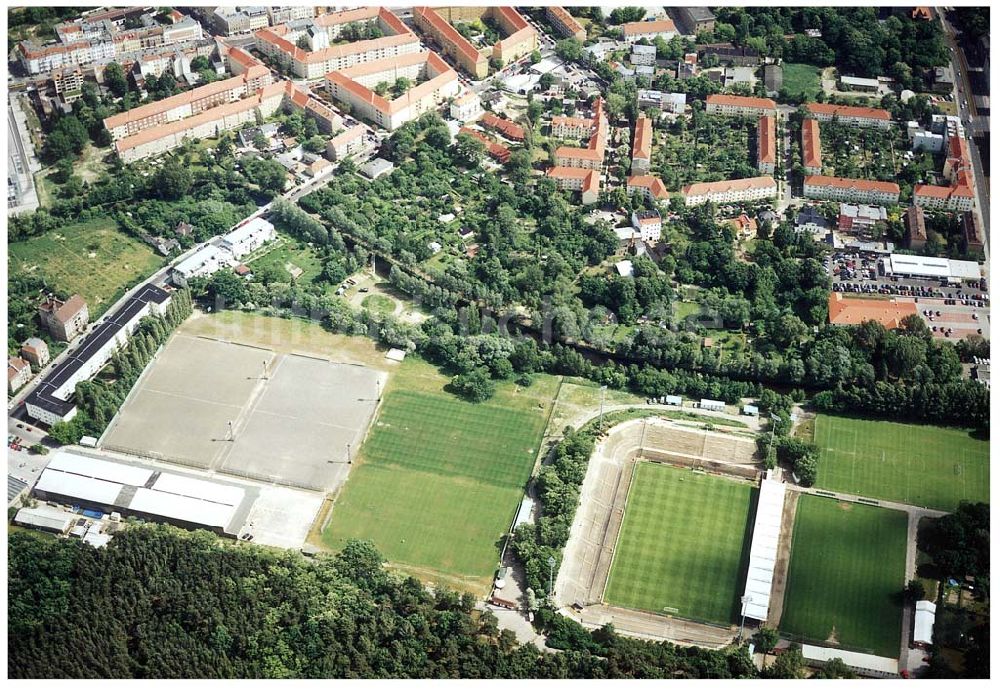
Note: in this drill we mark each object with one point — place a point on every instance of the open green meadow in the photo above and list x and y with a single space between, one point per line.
288 257
800 78
92 259
439 478
847 567
927 466
681 546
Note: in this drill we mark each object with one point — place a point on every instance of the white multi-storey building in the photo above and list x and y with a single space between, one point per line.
850 190
730 191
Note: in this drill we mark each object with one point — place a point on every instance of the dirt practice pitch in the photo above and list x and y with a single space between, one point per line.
291 422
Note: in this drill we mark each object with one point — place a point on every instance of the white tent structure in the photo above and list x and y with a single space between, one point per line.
923 623
764 549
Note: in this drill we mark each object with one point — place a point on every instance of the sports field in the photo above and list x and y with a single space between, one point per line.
439 478
801 79
847 566
681 544
927 466
92 259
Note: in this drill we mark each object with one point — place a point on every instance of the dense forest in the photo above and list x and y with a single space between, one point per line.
162 603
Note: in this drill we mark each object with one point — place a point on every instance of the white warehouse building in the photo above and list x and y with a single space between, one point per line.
248 237
201 263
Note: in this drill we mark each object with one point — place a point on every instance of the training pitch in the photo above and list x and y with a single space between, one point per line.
681 546
292 420
440 478
926 466
847 569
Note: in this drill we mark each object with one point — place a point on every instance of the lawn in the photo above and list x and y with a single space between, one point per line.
92 259
798 78
379 303
440 478
926 466
681 546
287 256
847 566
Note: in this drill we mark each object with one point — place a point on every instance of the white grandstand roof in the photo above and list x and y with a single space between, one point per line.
764 549
181 507
862 661
78 487
196 488
95 468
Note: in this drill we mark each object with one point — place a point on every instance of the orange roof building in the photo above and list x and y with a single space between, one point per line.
587 182
812 150
280 42
745 106
766 145
647 185
923 13
851 114
497 151
512 131
436 22
592 157
642 145
436 83
564 127
565 23
636 31
850 190
852 311
730 191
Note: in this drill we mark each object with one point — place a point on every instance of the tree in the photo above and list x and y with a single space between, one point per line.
569 49
496 64
475 385
765 639
38 449
835 668
959 543
114 78
469 151
173 180
314 144
260 141
303 42
545 81
915 591
536 57
227 289
788 665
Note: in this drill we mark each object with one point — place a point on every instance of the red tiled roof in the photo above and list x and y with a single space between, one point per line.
496 150
812 150
766 145
654 184
851 311
845 183
740 101
639 28
505 127
567 20
448 33
702 188
642 140
848 111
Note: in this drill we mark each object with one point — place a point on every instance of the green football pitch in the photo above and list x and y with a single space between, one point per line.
927 466
440 479
681 546
847 567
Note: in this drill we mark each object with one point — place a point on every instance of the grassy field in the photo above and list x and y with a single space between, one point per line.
926 466
92 259
378 303
288 256
847 566
800 78
681 544
439 478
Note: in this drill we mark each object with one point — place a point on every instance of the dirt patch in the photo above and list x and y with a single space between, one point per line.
846 506
832 639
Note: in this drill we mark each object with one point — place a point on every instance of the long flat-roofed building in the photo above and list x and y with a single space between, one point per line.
73 478
52 400
730 191
565 23
853 115
850 190
436 83
281 42
744 106
637 31
812 149
767 146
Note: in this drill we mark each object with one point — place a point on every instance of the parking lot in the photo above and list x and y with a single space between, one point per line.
950 311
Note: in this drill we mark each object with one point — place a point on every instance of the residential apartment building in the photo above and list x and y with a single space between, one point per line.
637 31
851 190
519 38
767 146
972 233
667 102
233 21
592 157
565 23
743 106
564 127
510 130
436 83
730 191
851 115
18 373
812 149
280 42
861 218
497 151
35 351
694 20
916 228
585 181
64 319
466 108
248 237
643 55
283 15
188 103
651 188
728 54
649 224
956 198
642 146
347 143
